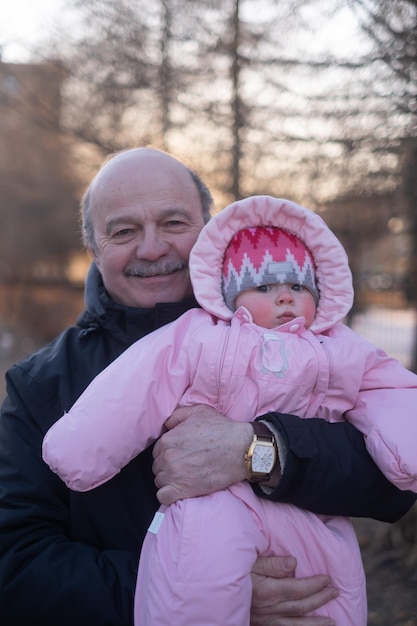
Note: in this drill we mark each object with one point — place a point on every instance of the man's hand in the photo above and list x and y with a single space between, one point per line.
202 452
278 599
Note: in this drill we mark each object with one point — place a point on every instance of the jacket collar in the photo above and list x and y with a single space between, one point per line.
129 323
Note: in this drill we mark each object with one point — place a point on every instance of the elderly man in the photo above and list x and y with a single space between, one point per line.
71 558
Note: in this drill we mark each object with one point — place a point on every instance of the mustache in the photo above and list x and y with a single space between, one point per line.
148 269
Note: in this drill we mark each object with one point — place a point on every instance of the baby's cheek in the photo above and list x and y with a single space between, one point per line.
264 314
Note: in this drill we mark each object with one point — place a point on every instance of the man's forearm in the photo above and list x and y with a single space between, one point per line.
327 468
329 471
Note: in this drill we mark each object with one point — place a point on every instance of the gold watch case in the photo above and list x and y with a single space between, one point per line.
261 455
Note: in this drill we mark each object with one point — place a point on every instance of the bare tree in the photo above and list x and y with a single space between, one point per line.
128 70
241 89
392 29
210 80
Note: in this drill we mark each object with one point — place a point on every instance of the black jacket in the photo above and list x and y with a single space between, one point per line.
71 558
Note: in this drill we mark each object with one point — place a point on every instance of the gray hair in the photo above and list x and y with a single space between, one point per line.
87 228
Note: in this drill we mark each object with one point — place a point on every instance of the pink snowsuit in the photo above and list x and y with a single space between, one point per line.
198 554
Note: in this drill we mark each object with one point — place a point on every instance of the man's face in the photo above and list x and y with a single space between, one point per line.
147 215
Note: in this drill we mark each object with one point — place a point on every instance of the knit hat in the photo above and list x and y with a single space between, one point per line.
265 255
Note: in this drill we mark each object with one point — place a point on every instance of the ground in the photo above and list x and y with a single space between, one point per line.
391 575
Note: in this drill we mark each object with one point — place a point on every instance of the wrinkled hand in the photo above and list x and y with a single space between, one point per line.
278 599
201 452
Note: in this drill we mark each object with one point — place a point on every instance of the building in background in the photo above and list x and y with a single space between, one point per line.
39 192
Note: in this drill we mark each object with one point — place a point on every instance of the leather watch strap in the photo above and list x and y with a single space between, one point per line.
262 430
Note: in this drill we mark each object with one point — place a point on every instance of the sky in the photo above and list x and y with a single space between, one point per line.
23 23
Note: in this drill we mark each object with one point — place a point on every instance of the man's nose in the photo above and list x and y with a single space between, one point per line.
151 245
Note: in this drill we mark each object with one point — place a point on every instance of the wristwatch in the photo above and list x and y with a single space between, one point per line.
262 454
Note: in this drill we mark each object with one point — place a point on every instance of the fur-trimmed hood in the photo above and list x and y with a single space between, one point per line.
334 278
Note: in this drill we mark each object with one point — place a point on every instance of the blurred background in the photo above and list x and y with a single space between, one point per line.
312 100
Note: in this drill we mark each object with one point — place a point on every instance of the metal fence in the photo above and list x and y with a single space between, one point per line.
389 323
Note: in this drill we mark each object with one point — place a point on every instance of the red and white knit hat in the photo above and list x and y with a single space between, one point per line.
265 255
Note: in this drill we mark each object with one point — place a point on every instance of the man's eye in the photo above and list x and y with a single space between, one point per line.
174 223
123 232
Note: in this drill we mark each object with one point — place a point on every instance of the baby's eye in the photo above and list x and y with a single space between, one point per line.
297 287
264 288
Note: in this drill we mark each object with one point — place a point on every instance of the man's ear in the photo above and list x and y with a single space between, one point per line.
94 256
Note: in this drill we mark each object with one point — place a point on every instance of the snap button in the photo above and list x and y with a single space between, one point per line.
294 327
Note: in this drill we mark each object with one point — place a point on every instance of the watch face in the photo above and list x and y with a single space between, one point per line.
263 459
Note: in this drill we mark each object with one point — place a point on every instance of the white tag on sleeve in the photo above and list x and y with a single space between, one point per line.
156 522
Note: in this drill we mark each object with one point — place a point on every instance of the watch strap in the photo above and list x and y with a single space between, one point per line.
261 430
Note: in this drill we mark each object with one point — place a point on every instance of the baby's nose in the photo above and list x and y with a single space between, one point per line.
284 295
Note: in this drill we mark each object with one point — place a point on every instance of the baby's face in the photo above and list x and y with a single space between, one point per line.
273 305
